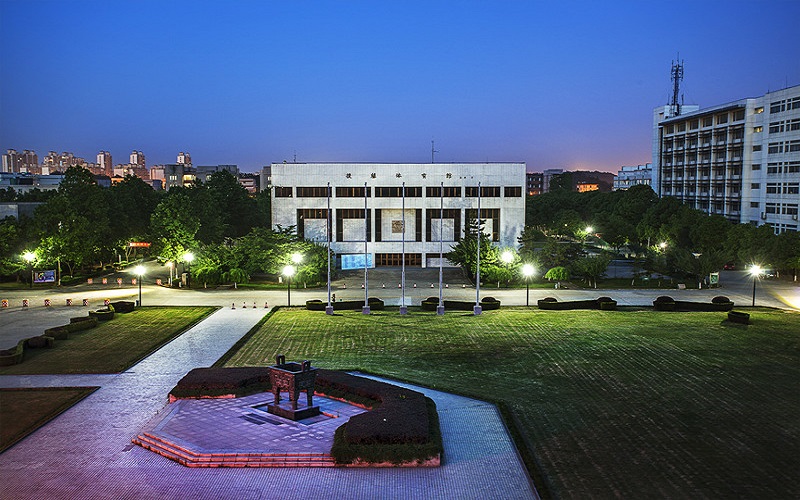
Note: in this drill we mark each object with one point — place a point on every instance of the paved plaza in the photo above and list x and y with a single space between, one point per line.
86 452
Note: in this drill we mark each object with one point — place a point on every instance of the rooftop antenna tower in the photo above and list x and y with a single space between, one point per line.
677 78
433 152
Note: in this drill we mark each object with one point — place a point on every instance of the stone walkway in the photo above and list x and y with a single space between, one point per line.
87 452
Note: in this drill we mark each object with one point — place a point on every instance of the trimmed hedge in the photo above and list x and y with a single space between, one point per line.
201 382
666 303
39 342
487 304
601 303
123 306
103 314
739 317
345 305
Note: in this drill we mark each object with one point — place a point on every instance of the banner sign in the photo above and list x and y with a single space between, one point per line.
138 244
355 261
44 276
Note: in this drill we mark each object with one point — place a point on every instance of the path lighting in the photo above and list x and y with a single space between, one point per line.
29 257
589 230
297 258
289 271
507 257
755 271
170 265
662 245
188 257
527 271
139 270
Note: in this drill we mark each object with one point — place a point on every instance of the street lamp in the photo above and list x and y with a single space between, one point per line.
755 271
297 258
289 271
29 258
139 270
170 264
527 271
188 257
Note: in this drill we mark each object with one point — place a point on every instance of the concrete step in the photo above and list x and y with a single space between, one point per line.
191 458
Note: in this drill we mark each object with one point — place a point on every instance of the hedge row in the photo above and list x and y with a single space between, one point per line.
345 305
602 303
486 303
201 382
666 303
16 354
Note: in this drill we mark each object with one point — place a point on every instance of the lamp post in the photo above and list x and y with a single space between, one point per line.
755 272
527 271
288 271
29 258
139 270
188 257
170 265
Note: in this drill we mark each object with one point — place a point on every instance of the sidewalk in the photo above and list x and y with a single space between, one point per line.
87 452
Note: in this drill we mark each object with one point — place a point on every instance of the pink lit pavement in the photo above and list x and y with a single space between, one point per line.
87 452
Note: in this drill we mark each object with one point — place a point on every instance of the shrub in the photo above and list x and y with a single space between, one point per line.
103 314
739 317
664 303
58 332
490 303
315 305
201 382
123 306
720 299
39 342
14 355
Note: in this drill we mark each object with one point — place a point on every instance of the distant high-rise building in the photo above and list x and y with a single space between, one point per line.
633 176
11 161
137 158
184 159
740 160
30 160
104 163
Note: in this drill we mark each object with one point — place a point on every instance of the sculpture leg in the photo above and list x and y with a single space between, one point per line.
309 397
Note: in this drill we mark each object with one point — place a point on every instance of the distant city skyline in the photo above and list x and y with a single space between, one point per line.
568 85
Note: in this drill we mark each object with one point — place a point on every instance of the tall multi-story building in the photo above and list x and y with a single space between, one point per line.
104 163
633 176
11 161
740 159
137 159
371 214
534 183
184 159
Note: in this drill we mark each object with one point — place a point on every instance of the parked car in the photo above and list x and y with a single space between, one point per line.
729 266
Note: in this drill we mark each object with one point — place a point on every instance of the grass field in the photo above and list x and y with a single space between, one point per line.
629 404
22 411
114 345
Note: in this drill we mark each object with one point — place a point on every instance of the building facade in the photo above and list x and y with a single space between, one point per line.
380 205
639 175
740 160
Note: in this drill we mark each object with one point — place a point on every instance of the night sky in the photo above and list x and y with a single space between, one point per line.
557 84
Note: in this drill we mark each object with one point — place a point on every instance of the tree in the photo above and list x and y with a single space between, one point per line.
131 205
465 252
558 273
73 225
175 226
592 267
239 212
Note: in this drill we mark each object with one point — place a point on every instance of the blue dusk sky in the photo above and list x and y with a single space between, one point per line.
557 84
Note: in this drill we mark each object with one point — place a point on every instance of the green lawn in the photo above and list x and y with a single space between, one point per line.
114 345
626 404
22 411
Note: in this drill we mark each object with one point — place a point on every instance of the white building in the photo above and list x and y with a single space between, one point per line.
300 198
740 160
633 176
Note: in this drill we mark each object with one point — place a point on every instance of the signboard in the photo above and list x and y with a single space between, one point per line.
713 278
138 244
48 276
355 261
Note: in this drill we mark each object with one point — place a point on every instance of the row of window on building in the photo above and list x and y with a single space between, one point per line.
397 191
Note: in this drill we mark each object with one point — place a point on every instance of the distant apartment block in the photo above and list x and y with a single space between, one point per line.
371 214
184 159
534 183
638 175
740 160
104 163
137 158
177 174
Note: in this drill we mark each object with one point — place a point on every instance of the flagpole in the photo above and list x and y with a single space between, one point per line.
403 307
477 309
440 307
365 309
329 307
